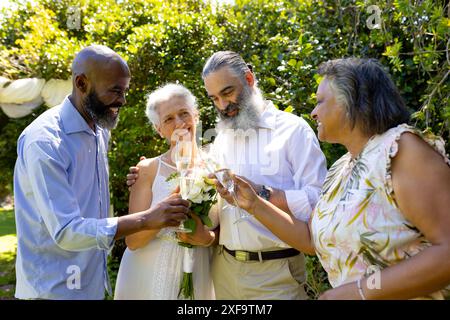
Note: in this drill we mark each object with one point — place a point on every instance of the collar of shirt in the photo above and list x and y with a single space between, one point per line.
268 117
72 120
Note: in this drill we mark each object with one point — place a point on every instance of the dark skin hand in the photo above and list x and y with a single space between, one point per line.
168 213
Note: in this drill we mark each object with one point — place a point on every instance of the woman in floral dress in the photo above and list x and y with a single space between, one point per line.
381 227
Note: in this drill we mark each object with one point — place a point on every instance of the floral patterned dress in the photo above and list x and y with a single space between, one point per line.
356 225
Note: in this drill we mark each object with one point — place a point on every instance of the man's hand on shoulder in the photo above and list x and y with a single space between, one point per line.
133 174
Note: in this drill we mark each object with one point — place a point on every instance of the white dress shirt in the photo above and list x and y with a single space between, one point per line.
283 153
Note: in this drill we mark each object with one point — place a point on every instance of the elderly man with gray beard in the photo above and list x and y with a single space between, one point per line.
279 154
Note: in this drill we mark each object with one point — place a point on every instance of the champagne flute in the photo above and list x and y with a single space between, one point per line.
210 162
183 158
224 177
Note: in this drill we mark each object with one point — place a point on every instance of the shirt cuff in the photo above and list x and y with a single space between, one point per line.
298 203
106 230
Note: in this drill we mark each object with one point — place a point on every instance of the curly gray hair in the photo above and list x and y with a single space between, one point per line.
165 93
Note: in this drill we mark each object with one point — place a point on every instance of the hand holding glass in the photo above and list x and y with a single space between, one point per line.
225 178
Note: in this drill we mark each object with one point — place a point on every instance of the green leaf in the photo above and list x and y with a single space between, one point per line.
292 62
190 224
318 78
206 221
184 244
172 176
289 109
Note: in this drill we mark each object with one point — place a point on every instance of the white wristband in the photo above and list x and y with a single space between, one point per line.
361 293
188 260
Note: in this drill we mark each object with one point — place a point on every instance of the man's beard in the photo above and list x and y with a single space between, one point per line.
100 112
249 105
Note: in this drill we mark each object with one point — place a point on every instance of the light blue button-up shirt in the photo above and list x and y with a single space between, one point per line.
61 206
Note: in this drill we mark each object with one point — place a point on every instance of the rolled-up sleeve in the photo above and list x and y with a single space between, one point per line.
58 205
106 230
309 166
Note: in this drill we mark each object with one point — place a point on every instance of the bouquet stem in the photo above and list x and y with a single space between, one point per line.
187 283
187 287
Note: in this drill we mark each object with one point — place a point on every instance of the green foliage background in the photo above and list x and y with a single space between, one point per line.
170 40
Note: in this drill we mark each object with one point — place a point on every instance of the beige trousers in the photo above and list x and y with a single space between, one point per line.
278 279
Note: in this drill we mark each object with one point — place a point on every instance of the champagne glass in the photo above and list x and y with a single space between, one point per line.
183 155
224 177
210 162
187 181
183 158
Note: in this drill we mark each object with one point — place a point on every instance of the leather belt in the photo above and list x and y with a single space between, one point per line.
265 255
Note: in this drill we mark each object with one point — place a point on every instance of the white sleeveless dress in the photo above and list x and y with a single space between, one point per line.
154 272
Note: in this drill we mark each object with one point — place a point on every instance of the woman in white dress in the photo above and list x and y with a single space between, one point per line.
152 264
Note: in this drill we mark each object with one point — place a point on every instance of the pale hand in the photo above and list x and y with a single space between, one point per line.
201 236
245 193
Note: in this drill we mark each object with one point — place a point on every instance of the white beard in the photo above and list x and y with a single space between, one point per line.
251 107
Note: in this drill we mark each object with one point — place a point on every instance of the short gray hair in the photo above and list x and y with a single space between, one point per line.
228 59
164 94
367 92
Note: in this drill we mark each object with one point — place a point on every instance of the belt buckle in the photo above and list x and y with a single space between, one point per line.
242 255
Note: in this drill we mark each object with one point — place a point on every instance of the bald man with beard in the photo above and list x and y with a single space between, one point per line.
61 187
